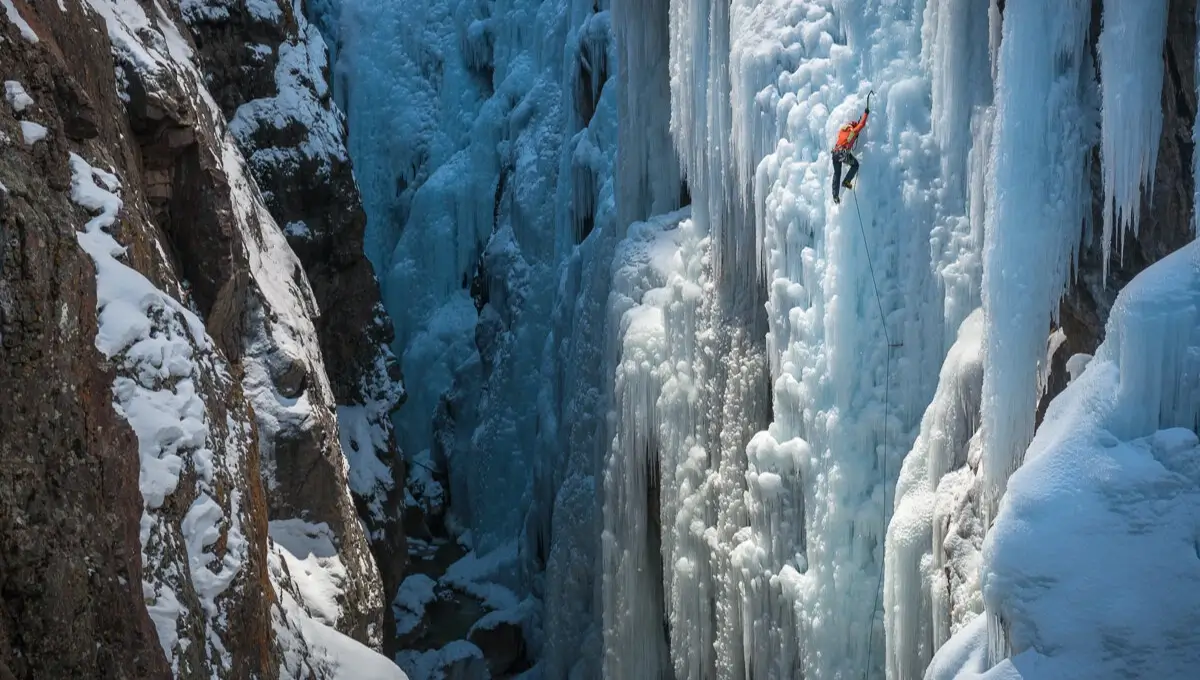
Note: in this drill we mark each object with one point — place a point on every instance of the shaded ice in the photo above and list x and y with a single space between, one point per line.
1131 81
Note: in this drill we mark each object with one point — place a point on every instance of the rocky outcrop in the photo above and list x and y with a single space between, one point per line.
68 463
160 359
266 67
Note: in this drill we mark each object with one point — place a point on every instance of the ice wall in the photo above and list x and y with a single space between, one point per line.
903 245
459 114
770 555
1082 583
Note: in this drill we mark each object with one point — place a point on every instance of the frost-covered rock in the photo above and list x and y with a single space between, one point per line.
501 640
459 660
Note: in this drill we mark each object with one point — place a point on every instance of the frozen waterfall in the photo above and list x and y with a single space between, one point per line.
761 557
678 414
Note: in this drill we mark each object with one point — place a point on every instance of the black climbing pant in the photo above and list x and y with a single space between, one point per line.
848 158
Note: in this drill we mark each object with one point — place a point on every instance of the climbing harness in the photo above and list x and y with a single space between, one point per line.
887 384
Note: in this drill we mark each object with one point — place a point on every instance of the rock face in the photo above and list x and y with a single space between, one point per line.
267 70
68 462
173 488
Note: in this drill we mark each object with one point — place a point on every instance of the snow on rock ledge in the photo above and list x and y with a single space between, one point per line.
165 369
1092 564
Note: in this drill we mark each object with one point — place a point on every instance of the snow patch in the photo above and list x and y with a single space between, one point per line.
459 660
1108 494
16 96
311 648
133 35
315 566
417 591
484 576
298 103
362 439
15 17
267 10
33 132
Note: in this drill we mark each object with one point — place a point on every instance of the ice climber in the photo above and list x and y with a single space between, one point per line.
847 136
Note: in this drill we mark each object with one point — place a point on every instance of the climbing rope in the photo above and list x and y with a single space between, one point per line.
887 384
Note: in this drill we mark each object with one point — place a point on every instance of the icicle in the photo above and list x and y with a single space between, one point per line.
954 42
995 30
1131 78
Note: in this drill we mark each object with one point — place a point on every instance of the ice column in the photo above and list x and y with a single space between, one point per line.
1131 79
1039 179
912 555
954 51
1039 162
702 125
652 310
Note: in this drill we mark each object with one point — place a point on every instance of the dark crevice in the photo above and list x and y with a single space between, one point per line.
1181 103
479 286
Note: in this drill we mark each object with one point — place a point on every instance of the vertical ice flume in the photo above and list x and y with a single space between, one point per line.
914 552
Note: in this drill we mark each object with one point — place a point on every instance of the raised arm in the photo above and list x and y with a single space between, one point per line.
862 122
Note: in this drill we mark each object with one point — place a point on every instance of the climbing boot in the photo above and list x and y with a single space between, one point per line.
836 199
847 184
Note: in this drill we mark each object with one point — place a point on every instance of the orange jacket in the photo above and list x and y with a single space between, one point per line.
848 134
